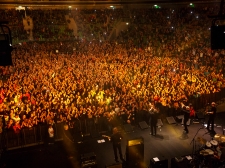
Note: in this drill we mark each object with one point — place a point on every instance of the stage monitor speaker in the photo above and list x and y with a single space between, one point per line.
159 123
171 120
158 163
117 165
143 125
135 153
218 37
128 128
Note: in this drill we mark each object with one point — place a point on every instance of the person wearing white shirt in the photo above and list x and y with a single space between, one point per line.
51 134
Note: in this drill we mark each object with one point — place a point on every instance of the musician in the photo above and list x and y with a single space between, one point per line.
220 154
154 117
116 138
186 111
212 115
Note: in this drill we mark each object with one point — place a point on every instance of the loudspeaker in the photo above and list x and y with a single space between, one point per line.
161 163
118 165
5 50
171 120
159 123
143 125
135 153
218 37
128 128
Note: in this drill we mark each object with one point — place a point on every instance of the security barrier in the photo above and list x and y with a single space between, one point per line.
39 134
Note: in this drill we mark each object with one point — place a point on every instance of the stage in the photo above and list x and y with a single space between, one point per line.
170 142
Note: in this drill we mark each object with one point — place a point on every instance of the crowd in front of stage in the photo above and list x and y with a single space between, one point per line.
103 84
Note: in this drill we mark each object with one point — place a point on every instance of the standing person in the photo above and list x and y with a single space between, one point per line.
212 115
116 138
51 134
186 111
154 117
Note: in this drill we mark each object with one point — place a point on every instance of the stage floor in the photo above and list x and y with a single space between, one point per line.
170 142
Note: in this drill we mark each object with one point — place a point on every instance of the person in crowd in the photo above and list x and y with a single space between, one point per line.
50 134
140 66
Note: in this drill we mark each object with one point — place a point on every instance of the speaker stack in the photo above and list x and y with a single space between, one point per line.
135 153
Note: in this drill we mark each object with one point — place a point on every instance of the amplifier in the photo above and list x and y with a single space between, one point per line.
158 163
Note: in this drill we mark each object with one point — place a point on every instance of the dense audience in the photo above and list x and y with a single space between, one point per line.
164 57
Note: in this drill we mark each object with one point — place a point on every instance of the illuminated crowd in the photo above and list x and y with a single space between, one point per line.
99 83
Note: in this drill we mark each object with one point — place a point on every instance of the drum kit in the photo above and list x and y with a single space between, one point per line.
209 148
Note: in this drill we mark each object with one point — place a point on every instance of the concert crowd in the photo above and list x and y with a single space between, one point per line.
162 58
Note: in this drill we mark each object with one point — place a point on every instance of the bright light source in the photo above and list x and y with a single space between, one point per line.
197 17
70 6
191 4
127 23
111 6
155 5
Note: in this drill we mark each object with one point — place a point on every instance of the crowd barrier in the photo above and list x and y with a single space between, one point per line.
39 134
28 136
200 101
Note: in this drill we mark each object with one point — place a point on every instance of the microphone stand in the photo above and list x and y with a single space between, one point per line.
193 142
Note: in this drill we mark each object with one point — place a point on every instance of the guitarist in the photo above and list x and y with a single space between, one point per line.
212 115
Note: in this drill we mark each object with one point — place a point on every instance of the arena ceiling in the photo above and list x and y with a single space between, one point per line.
111 2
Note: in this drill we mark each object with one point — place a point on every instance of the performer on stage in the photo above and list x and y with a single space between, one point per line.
186 112
212 115
154 117
220 154
116 138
